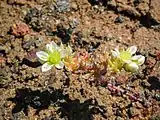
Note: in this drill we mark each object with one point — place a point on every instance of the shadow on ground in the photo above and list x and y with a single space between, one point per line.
155 83
71 109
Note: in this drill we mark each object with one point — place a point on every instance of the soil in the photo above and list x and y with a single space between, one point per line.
95 26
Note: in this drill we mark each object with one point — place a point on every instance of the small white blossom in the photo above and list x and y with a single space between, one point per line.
53 56
127 58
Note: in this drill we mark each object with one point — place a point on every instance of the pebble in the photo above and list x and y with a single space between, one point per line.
39 41
147 93
132 112
157 96
121 105
74 6
119 118
156 27
19 2
20 29
119 112
29 42
119 19
7 104
137 105
145 84
62 5
2 48
109 111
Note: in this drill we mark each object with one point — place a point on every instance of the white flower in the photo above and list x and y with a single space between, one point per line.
131 62
132 67
139 59
132 50
123 55
53 56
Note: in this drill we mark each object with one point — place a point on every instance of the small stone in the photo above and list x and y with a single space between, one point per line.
102 91
3 78
20 29
114 105
146 104
119 19
128 9
157 117
28 41
74 6
33 13
137 105
143 7
2 60
2 48
157 96
121 105
74 23
18 2
152 53
112 3
147 93
119 112
155 10
62 5
133 111
119 118
156 27
31 56
158 56
109 111
39 41
8 104
145 84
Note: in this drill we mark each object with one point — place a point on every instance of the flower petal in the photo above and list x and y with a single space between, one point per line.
66 52
52 46
63 53
117 50
132 49
69 50
127 61
136 57
60 65
139 59
47 66
115 53
42 55
132 67
61 46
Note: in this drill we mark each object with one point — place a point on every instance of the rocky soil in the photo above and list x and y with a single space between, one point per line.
94 26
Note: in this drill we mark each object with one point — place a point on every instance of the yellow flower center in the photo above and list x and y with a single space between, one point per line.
124 55
54 58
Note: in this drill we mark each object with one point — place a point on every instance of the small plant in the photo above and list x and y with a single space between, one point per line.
54 55
71 63
77 61
126 59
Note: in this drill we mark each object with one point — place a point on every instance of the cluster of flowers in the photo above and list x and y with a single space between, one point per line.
60 56
126 59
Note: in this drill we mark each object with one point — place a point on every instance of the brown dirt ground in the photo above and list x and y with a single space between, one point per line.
28 94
